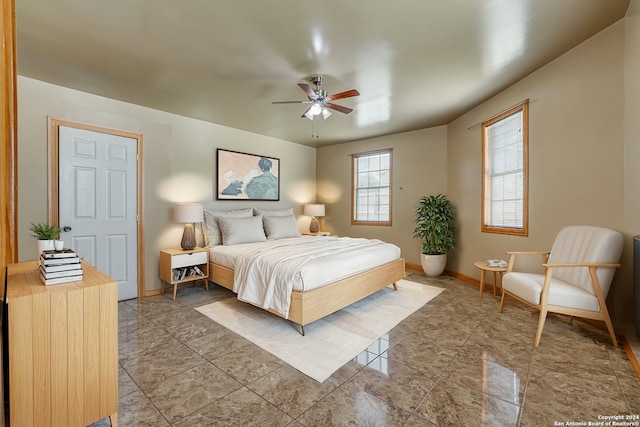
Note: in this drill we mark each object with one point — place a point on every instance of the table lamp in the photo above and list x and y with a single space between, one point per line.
188 213
314 211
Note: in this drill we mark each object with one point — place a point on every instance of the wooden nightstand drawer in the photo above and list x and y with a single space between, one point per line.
185 260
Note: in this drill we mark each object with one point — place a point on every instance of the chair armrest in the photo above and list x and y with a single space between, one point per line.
581 264
528 253
595 282
513 254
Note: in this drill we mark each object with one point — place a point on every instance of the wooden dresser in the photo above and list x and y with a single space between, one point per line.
63 348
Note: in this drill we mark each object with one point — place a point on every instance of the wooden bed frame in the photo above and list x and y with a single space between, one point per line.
307 307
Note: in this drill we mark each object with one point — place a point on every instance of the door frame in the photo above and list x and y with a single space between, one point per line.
53 183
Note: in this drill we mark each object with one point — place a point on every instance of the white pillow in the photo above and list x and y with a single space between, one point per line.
212 235
280 227
241 230
273 212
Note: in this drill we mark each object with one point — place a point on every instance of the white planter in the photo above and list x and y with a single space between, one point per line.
433 265
43 245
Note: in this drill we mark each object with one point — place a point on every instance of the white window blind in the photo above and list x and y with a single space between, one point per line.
372 188
505 172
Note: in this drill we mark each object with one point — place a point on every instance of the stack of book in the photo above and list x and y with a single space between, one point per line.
497 263
184 272
60 267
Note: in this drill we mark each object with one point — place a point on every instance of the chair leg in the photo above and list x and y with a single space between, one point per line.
607 321
503 300
541 320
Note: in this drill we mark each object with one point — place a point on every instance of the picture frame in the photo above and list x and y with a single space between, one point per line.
244 176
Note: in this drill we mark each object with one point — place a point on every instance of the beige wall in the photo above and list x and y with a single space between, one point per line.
419 169
631 217
584 154
179 162
576 156
583 160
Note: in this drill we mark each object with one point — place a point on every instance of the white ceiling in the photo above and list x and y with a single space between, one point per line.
416 63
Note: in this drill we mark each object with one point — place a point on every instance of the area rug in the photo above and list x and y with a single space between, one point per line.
330 342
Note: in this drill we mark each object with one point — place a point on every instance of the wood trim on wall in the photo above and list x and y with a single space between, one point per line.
8 153
9 145
53 126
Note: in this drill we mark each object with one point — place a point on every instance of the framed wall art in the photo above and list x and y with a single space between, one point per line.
243 176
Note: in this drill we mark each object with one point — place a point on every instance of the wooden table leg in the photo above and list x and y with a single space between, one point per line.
482 273
495 282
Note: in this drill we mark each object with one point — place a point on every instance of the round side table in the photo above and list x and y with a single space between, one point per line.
497 275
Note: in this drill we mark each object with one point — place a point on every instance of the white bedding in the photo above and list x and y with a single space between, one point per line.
265 273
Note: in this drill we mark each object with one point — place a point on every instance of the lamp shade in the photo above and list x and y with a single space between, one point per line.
314 209
188 212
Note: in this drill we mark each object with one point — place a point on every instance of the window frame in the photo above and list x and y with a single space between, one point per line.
486 180
354 159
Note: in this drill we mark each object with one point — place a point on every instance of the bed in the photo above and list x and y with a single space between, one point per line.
312 270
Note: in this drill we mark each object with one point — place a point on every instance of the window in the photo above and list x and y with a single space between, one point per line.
371 197
505 172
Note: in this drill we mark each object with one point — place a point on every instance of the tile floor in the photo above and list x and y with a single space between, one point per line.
455 362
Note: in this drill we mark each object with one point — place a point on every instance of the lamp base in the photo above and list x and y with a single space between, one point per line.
188 238
314 227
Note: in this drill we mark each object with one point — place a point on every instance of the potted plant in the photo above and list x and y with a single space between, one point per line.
45 235
435 226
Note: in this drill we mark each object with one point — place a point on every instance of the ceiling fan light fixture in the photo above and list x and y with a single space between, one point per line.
321 102
315 109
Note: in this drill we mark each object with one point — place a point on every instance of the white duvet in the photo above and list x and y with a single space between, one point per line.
265 273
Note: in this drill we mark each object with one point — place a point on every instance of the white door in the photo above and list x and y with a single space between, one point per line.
98 202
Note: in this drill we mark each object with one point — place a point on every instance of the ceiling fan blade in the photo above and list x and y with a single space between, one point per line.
303 116
307 89
288 102
345 94
339 108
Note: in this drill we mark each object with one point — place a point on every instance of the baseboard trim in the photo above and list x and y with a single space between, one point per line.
185 285
413 266
463 277
457 275
631 355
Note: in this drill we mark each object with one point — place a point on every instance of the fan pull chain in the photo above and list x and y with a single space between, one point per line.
315 128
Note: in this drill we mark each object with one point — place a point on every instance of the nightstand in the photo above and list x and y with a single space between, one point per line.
179 266
319 233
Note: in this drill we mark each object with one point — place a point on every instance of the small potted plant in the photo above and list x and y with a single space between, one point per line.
45 235
435 226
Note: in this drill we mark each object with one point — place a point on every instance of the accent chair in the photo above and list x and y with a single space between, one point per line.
577 276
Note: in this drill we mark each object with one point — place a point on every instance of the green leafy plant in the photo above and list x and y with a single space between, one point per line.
435 224
43 231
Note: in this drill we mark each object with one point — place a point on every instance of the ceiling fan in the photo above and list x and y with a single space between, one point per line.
320 101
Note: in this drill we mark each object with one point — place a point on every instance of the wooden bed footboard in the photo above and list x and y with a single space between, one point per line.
307 307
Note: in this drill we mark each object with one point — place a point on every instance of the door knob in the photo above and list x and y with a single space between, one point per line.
66 228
